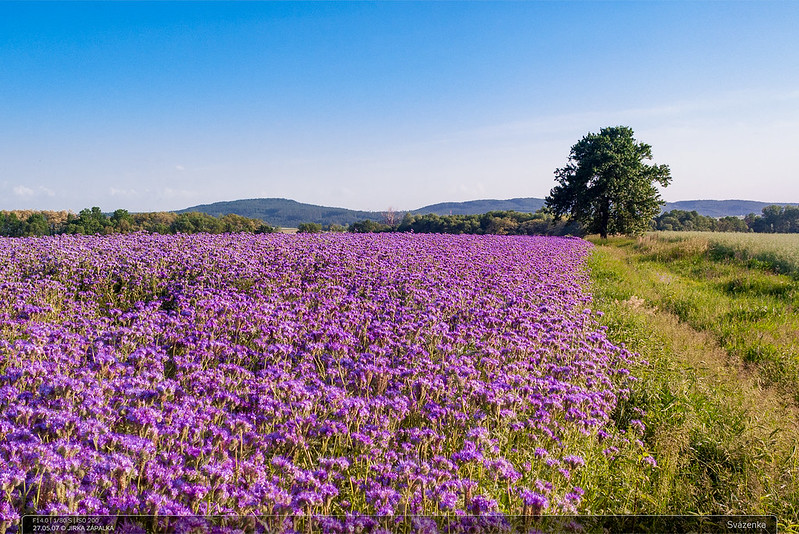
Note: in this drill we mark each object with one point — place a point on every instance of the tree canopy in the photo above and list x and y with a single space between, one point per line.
606 186
492 222
25 223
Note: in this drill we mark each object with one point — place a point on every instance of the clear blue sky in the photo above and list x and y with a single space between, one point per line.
153 106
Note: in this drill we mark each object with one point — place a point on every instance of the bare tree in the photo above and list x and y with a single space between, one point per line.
390 216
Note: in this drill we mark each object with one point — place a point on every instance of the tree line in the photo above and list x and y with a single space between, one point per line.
24 223
774 219
681 220
493 222
94 221
543 222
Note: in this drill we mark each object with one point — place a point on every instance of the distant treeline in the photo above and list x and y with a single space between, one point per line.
94 221
680 220
493 222
774 219
22 223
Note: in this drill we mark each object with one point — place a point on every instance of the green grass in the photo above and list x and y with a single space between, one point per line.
749 308
775 252
719 390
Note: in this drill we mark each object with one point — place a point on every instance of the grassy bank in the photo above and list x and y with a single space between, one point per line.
720 389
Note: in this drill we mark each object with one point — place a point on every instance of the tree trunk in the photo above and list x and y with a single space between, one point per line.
604 219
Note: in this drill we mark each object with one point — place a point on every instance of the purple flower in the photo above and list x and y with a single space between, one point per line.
534 501
469 452
574 461
276 374
481 505
638 426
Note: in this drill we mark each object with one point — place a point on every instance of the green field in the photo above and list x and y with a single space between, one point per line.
715 316
771 252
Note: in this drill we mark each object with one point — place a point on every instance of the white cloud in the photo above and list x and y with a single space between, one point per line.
114 192
180 168
169 193
22 191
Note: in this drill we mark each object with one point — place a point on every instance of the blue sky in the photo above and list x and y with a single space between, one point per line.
157 106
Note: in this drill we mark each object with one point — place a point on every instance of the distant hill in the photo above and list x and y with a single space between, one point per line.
476 207
285 213
723 208
290 213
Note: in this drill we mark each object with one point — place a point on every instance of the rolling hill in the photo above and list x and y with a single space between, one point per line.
476 207
284 212
290 213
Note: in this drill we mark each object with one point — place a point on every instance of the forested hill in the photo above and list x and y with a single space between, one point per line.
478 207
290 213
285 213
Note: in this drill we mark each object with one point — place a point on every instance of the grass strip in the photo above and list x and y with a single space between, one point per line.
750 310
724 442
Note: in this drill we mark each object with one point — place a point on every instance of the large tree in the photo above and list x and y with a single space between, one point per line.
606 186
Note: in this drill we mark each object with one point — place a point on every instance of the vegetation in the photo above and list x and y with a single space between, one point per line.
94 221
290 213
22 223
776 253
775 219
493 222
681 220
309 228
478 207
719 208
747 307
719 393
284 212
543 222
606 186
339 374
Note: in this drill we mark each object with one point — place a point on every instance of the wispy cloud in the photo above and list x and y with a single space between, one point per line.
27 192
124 193
725 106
22 191
168 193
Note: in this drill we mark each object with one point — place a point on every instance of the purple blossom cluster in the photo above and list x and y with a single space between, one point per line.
379 374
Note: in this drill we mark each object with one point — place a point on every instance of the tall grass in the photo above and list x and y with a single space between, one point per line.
742 301
723 442
777 252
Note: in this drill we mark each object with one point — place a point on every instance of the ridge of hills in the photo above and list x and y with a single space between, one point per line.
288 213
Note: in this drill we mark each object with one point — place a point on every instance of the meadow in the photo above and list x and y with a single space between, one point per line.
715 316
285 375
741 288
778 253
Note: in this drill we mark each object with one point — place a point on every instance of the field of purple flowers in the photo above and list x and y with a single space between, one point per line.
310 374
